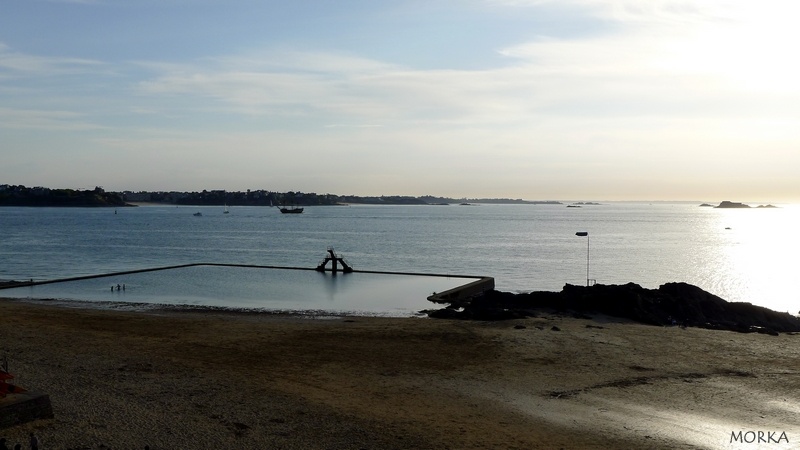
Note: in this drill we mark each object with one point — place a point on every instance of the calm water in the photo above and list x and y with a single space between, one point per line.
252 288
738 254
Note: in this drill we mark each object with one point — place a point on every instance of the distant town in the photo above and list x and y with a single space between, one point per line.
18 195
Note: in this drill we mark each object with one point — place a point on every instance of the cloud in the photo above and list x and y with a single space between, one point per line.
342 125
307 84
632 10
612 76
658 58
735 42
25 65
661 85
79 2
11 118
661 59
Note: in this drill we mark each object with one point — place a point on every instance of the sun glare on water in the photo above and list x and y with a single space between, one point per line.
760 248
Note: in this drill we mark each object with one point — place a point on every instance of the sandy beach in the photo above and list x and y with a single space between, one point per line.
206 379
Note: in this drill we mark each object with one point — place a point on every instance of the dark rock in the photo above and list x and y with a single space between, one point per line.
727 204
670 304
555 328
445 313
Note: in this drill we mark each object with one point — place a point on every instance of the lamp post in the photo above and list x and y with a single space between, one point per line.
585 233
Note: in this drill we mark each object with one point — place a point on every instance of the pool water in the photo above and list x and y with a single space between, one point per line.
254 288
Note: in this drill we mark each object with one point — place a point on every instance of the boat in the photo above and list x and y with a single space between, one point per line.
197 214
288 210
292 210
225 211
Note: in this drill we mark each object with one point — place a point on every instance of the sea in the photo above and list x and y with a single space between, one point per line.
741 255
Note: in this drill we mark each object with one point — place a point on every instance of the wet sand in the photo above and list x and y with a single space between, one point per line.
191 379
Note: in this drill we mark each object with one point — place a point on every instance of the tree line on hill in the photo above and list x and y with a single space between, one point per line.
40 196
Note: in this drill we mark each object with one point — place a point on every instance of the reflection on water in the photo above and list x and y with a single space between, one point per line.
255 288
755 258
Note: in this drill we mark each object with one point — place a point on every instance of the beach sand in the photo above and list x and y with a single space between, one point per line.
224 380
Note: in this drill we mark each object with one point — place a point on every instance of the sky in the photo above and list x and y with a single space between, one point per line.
533 99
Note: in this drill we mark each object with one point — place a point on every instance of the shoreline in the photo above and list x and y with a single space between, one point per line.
194 379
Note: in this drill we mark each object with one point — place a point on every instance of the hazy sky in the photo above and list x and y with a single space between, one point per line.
534 99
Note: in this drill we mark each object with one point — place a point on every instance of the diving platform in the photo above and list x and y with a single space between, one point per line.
335 261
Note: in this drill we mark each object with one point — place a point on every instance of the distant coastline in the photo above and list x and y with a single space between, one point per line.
41 196
19 195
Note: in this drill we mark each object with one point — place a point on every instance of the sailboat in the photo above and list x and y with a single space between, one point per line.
225 211
292 210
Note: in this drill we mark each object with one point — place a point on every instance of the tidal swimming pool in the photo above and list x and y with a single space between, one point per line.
253 288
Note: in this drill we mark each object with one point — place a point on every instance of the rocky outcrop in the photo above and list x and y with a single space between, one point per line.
670 304
727 204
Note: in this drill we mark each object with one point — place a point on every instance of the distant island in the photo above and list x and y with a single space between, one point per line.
40 196
727 204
